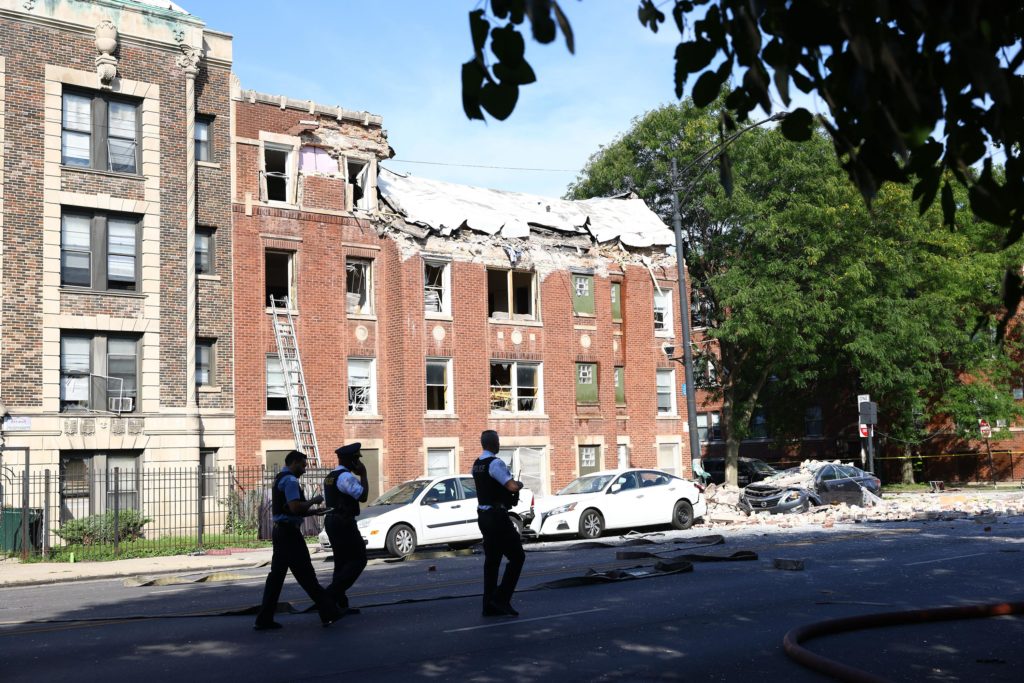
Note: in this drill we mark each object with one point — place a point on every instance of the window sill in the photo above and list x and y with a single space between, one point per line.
364 418
515 322
664 334
440 416
361 316
97 171
209 389
667 417
71 289
277 415
293 311
438 316
589 328
207 164
277 204
517 416
584 315
208 278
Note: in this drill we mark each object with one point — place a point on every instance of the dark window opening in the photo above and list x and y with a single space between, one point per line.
275 164
277 276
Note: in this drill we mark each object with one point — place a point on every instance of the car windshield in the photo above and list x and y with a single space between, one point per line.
589 484
761 467
403 493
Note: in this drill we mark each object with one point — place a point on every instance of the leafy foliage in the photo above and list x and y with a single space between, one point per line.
809 295
99 529
919 93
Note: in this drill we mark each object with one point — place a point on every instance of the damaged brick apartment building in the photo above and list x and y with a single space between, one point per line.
161 227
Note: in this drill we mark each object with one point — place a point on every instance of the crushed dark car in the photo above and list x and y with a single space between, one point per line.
811 484
748 470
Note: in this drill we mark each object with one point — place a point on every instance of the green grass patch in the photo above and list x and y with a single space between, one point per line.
159 547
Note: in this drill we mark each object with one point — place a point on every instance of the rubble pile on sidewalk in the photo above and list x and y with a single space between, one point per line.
949 505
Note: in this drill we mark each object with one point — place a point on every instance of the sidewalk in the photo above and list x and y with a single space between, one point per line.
15 573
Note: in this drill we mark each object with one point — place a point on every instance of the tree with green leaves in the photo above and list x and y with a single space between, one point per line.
804 290
918 93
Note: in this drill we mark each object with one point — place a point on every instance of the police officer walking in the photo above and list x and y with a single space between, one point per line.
497 492
289 506
344 488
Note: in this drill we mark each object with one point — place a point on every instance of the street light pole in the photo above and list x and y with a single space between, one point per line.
684 317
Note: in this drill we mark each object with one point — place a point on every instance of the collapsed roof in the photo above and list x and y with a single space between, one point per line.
444 207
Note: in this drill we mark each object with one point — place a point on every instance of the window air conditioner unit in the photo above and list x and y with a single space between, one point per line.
118 404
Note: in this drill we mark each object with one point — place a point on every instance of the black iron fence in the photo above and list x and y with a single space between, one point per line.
80 513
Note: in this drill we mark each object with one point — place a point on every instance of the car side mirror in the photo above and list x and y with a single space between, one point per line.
615 488
430 500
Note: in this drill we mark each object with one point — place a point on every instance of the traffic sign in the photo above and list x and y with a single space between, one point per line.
863 398
865 431
985 428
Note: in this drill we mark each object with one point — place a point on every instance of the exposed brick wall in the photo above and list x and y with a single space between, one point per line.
322 193
73 303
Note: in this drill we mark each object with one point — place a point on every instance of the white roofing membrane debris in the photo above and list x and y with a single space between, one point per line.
446 207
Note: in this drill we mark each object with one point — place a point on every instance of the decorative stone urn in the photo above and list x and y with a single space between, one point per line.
106 44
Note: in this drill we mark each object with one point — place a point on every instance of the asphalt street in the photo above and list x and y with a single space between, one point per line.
421 618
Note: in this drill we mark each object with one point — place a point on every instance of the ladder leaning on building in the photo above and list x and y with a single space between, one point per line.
294 380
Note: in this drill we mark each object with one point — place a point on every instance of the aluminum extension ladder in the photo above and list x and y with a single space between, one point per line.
294 380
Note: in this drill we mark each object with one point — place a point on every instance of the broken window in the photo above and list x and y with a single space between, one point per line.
278 182
586 383
511 294
583 294
317 160
437 287
358 171
358 287
663 311
515 387
279 278
111 385
362 394
666 383
75 368
438 391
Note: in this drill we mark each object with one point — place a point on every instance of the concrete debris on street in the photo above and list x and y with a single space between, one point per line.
982 505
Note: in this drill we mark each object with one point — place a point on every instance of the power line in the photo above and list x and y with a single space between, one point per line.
500 168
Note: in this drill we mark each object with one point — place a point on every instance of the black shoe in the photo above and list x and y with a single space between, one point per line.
494 609
270 626
510 610
331 618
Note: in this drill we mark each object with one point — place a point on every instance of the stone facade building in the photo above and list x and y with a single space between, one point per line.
114 200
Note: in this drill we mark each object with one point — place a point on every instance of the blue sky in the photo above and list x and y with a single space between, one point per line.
401 59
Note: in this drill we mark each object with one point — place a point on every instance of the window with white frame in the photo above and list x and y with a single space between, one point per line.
515 387
208 464
205 251
99 372
99 132
511 294
123 481
277 391
440 461
663 311
439 394
279 278
99 250
668 457
359 173
437 287
358 286
278 179
206 362
362 386
709 426
203 145
666 382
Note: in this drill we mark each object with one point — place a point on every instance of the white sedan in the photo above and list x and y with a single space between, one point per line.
427 511
620 499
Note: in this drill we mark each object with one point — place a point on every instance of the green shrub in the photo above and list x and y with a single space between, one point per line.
99 529
243 512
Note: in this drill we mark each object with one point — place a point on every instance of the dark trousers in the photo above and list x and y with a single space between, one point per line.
290 552
500 540
349 554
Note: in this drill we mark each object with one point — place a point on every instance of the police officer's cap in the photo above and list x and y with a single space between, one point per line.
349 451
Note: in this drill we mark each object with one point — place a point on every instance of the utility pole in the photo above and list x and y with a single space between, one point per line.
684 317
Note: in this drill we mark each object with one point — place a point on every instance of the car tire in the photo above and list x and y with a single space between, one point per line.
518 524
401 540
591 524
682 515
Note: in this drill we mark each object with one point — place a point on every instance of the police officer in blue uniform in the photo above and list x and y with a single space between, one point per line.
497 493
289 506
344 488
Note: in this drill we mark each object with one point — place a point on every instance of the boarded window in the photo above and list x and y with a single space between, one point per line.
589 460
668 457
586 383
616 297
583 294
